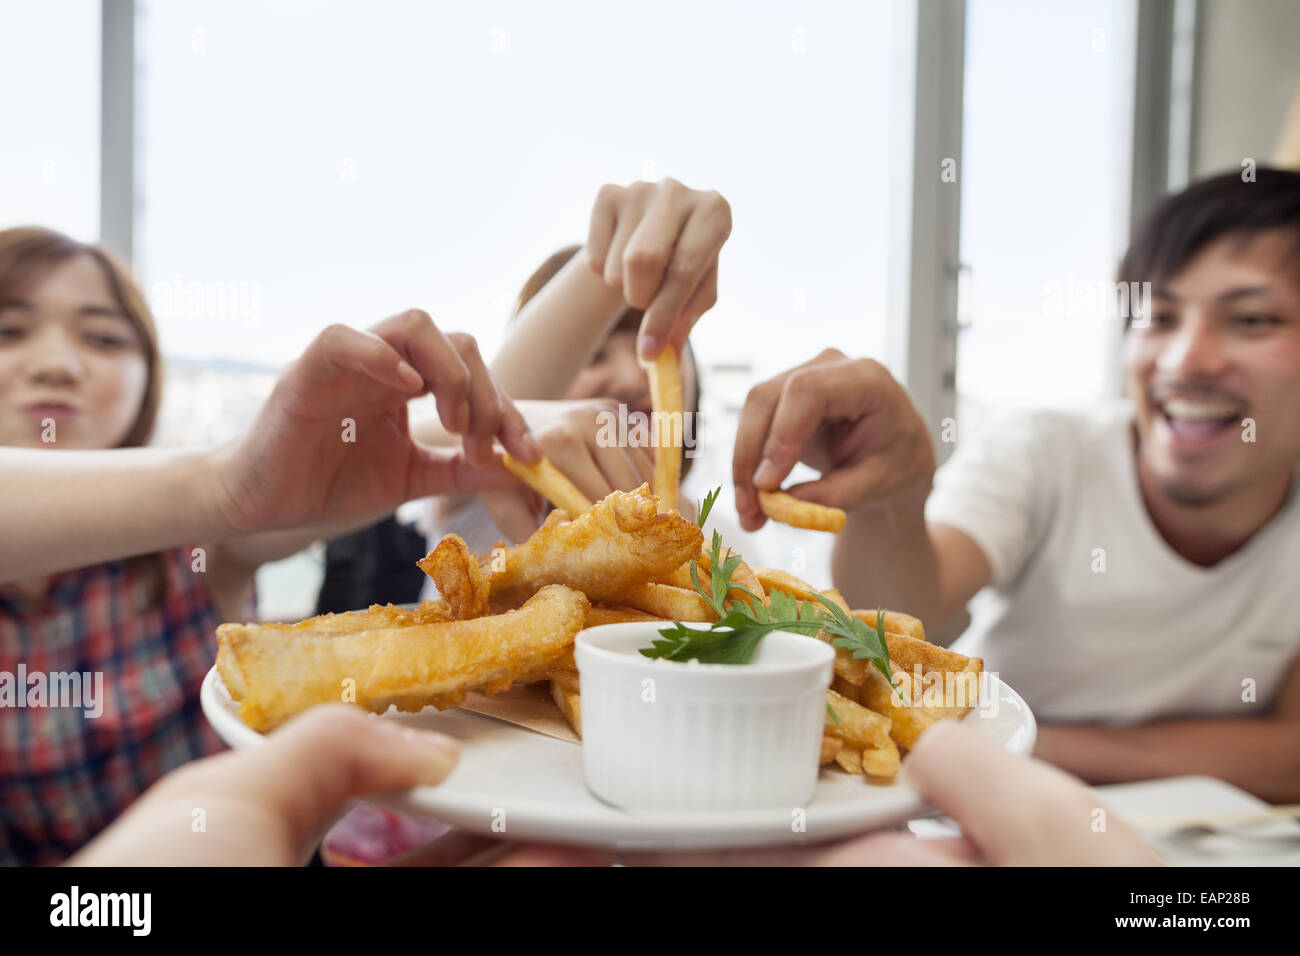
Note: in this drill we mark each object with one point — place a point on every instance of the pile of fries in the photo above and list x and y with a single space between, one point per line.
512 616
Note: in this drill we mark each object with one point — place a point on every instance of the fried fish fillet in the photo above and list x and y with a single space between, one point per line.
275 673
375 617
621 543
461 582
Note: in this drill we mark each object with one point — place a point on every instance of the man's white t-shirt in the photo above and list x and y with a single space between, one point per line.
1090 615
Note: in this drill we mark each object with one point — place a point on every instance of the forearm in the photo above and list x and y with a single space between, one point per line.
251 551
69 509
885 558
1259 755
557 332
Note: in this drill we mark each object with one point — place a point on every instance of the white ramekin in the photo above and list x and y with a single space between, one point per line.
663 735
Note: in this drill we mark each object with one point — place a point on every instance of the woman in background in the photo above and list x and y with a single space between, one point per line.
80 368
80 372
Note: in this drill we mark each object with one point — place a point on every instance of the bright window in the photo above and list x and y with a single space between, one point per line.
1048 107
307 163
49 114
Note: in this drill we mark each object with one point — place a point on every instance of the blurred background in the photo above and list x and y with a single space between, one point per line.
942 185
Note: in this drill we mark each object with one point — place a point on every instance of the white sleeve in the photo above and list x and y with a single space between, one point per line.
1000 488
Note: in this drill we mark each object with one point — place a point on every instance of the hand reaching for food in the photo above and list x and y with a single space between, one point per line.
847 418
580 439
659 244
581 464
332 443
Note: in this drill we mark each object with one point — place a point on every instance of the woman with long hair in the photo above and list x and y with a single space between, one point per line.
115 594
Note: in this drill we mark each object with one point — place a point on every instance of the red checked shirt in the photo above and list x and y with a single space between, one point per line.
65 774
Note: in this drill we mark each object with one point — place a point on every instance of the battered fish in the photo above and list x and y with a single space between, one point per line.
376 617
621 543
461 582
277 672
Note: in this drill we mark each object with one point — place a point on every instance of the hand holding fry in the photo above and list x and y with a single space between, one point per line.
659 243
332 442
848 419
570 435
549 482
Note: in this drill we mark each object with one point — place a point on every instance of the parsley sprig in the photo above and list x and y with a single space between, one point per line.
704 507
733 638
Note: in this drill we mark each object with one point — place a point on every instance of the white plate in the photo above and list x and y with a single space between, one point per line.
527 786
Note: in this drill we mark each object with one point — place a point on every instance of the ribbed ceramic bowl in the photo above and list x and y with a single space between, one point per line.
663 735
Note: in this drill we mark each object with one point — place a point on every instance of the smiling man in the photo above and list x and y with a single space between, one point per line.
1136 565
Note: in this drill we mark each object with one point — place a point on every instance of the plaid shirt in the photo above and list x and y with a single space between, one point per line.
64 775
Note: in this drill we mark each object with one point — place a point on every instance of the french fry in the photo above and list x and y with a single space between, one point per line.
835 597
705 562
910 712
570 705
606 614
790 510
666 397
850 760
908 653
906 724
902 648
860 727
832 744
566 679
680 577
549 482
845 689
881 761
774 579
744 576
670 603
895 621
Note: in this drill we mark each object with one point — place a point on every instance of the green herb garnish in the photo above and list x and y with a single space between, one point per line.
733 638
704 507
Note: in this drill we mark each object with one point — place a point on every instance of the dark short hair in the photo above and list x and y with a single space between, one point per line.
1183 224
